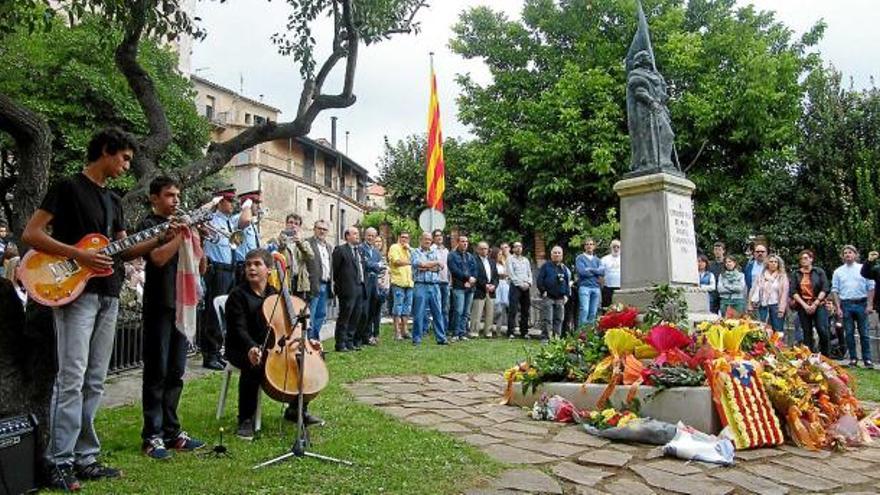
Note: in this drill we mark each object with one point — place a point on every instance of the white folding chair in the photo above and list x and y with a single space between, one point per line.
220 308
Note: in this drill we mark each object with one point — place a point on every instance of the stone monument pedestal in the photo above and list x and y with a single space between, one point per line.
658 241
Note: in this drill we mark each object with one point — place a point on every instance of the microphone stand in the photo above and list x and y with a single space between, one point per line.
301 442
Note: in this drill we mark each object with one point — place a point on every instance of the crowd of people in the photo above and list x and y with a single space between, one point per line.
825 314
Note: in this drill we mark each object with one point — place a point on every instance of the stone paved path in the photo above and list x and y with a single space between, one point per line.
553 458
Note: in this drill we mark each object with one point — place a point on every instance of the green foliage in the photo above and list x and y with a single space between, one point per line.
554 116
567 359
396 224
668 305
69 76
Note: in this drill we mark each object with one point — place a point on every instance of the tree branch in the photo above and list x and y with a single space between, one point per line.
141 84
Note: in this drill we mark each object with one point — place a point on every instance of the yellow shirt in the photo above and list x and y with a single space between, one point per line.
401 276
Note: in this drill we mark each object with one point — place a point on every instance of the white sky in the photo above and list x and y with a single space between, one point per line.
392 77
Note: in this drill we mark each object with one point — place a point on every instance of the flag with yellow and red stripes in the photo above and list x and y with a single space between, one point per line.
436 172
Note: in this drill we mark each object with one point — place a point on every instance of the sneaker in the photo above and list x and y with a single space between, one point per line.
454 339
511 336
245 430
463 338
853 363
312 420
154 448
869 364
185 443
97 471
61 477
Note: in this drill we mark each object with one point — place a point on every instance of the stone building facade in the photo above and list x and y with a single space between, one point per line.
299 175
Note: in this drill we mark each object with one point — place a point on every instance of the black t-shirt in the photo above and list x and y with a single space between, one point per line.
160 285
245 325
77 210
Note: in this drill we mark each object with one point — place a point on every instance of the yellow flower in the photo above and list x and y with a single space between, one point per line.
594 415
608 413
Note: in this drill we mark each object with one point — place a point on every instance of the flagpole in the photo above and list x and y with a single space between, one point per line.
431 85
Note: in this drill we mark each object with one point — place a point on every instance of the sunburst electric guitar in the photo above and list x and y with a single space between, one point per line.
55 280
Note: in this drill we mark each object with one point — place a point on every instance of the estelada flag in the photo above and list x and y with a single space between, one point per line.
436 170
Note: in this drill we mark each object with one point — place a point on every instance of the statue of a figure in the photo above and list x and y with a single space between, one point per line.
650 128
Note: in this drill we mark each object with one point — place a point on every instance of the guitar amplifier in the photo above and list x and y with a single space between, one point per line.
17 451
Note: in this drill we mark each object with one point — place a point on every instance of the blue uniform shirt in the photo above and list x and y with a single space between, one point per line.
249 243
221 251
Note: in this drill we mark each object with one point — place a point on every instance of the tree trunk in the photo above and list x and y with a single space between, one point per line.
33 150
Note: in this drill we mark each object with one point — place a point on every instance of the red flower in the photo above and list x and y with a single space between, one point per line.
614 420
624 318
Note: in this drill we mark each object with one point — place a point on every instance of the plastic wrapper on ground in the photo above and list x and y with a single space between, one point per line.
693 445
642 430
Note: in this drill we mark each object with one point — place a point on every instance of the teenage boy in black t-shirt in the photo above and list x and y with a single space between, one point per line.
164 345
75 207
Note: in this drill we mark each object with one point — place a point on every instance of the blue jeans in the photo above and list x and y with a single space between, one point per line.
856 313
443 288
84 330
589 298
402 298
461 302
427 297
318 310
770 314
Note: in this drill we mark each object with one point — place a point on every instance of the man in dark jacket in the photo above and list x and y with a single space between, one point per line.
350 286
484 293
554 286
463 271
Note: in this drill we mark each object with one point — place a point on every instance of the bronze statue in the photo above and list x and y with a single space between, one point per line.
650 127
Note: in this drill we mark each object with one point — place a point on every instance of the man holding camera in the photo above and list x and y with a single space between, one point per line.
297 254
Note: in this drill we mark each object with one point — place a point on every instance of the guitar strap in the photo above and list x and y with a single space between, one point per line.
108 213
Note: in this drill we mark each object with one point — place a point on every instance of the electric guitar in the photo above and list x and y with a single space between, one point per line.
55 280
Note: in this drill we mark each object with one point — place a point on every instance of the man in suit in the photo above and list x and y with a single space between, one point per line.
484 293
350 286
320 275
375 266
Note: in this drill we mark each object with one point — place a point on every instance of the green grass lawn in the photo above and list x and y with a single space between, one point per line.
867 384
390 456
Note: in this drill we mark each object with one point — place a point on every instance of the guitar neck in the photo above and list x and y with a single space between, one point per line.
121 245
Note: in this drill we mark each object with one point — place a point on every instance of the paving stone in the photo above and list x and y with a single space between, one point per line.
412 379
398 412
457 377
454 414
675 467
436 404
382 379
628 487
498 416
528 480
435 379
427 419
476 394
588 490
654 453
576 436
812 454
791 477
461 401
489 377
548 448
480 408
376 400
624 447
359 389
679 484
508 435
752 455
580 475
822 469
401 388
450 387
414 398
477 422
480 440
750 482
527 428
855 493
870 455
849 463
488 387
452 427
605 457
511 455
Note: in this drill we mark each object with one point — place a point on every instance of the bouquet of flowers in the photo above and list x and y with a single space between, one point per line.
618 316
608 418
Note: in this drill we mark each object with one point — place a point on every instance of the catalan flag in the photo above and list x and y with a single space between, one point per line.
436 171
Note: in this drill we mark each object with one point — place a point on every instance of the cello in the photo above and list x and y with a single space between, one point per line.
284 376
